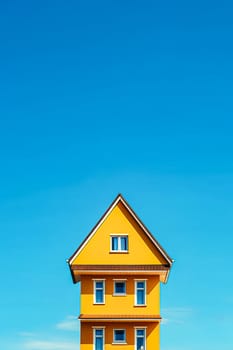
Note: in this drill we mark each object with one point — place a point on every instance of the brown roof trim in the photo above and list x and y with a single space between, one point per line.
145 229
120 267
112 317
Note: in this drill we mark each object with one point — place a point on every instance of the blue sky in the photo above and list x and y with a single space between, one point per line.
104 97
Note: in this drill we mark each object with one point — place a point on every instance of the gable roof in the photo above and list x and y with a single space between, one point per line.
118 199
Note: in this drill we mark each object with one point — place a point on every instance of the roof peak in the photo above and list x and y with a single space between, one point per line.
118 198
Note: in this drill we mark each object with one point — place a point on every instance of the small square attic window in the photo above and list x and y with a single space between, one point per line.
119 243
119 288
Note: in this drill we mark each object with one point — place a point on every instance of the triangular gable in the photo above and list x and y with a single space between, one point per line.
120 199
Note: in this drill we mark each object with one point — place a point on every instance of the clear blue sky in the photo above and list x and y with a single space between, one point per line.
102 97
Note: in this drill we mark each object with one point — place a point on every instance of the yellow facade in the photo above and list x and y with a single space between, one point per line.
120 266
152 334
118 304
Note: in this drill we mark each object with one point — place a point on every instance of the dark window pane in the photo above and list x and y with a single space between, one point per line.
120 287
99 332
140 332
99 296
114 243
124 243
119 335
140 297
99 285
99 343
140 284
140 344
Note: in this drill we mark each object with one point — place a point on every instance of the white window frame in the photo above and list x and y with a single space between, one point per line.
119 236
114 287
135 291
135 336
94 294
117 341
94 336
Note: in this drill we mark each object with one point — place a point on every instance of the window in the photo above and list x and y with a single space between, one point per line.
119 288
99 287
119 243
140 292
119 336
140 339
98 338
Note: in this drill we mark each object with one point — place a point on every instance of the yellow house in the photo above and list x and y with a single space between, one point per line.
120 266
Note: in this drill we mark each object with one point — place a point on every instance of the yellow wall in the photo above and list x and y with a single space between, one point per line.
141 249
120 304
152 334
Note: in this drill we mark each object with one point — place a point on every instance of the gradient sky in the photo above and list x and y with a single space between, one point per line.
102 97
